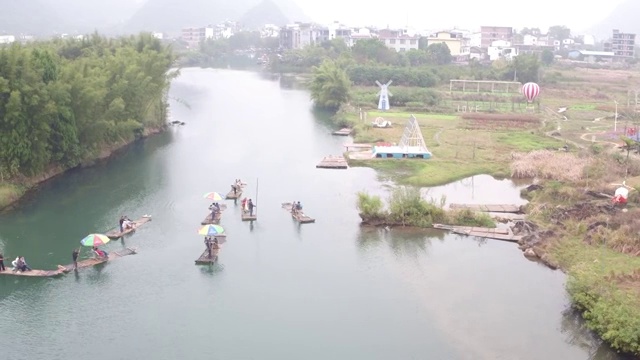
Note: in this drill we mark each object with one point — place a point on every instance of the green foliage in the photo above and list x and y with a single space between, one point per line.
329 86
559 32
439 54
467 217
370 206
547 57
367 75
402 96
62 100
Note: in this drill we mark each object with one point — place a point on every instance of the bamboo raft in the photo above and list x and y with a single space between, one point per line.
232 196
298 216
97 261
116 234
343 132
208 220
499 208
471 229
247 217
333 162
204 259
33 273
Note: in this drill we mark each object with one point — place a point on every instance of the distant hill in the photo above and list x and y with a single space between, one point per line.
47 17
172 15
623 18
267 12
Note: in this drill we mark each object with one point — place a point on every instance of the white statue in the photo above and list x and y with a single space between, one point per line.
383 103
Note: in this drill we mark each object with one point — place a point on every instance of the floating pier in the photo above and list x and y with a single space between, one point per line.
204 259
358 147
333 162
498 208
209 220
487 233
343 132
116 233
471 229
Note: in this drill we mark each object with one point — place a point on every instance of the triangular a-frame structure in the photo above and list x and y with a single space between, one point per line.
412 137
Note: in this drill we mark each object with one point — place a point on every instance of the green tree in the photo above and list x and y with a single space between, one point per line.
330 86
439 54
547 57
373 50
559 32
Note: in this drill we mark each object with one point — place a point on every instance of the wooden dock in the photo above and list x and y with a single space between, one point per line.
333 162
343 132
96 261
498 208
358 147
204 259
487 233
208 220
116 234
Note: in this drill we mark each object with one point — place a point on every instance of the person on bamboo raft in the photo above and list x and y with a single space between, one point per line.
127 224
100 253
19 264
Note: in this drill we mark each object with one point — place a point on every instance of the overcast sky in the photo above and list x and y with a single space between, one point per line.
577 15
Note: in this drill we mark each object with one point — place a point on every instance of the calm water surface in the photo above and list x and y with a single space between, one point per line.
328 290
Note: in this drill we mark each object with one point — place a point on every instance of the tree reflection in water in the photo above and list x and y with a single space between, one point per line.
404 242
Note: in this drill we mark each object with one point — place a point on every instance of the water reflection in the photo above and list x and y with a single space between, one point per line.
409 242
213 269
479 189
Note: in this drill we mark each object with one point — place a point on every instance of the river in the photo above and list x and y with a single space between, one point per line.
328 290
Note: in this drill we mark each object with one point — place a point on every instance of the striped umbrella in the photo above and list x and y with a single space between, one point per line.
213 196
211 230
95 240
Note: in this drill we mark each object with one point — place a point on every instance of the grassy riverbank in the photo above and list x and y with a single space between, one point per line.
462 146
12 192
596 244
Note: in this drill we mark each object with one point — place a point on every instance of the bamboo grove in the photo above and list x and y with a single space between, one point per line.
63 101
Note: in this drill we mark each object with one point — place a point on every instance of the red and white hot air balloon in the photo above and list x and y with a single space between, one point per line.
530 91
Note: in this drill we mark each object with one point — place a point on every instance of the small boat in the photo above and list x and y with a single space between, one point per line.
116 233
299 216
97 261
33 273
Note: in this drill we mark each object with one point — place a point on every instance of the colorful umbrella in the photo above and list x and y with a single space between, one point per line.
95 240
211 230
213 196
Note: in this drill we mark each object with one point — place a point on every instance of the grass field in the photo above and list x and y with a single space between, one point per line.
459 150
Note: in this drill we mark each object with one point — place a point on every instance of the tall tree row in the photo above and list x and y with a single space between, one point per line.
64 100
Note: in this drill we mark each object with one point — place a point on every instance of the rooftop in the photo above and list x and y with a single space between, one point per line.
595 53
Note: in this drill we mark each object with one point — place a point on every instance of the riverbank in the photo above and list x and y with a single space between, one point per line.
11 192
572 225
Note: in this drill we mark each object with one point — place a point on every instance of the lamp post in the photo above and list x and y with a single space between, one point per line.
615 119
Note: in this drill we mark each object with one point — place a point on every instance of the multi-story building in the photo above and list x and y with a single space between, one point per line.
489 34
290 36
455 41
7 39
194 36
398 40
621 44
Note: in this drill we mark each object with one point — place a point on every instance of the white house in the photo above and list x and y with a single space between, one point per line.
475 39
157 35
7 39
360 34
398 40
501 49
269 30
588 40
530 40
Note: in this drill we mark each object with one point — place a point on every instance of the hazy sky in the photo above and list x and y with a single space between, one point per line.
577 15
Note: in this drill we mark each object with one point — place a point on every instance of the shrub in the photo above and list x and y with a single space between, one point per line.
370 206
548 164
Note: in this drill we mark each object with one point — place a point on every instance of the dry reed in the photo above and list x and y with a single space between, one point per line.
546 164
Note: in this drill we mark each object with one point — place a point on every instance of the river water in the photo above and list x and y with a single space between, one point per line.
328 290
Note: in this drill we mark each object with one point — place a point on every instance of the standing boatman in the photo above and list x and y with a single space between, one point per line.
74 256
